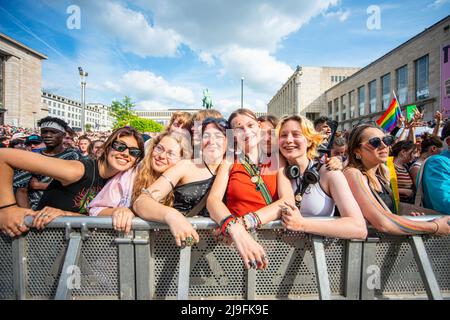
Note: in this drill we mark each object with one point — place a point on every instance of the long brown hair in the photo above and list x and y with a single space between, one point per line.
118 133
353 162
146 175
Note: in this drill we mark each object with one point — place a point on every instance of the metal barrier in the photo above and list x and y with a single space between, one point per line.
83 258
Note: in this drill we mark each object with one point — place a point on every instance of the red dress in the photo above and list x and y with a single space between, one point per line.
242 196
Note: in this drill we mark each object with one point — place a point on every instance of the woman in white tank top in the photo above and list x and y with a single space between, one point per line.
298 142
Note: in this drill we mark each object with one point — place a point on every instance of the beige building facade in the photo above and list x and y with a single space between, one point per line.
412 70
20 84
303 91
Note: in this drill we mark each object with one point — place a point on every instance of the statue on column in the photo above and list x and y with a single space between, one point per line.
207 101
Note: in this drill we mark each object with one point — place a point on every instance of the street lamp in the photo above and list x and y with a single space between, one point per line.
83 74
242 92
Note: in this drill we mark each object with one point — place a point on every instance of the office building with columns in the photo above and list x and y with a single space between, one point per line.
20 83
414 70
303 92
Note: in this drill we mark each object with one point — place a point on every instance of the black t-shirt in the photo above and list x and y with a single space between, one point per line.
74 197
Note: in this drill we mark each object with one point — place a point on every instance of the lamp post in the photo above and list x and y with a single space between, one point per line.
83 74
242 92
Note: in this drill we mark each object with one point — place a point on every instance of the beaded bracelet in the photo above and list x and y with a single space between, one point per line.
224 225
231 222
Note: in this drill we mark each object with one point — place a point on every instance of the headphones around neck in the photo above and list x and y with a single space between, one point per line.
310 176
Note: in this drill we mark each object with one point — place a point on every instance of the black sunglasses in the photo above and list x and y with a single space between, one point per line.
376 141
219 121
121 147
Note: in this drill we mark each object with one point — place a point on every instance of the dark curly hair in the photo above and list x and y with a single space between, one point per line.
59 121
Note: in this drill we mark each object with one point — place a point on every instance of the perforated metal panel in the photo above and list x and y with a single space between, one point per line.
6 268
399 271
45 251
438 250
99 267
216 270
291 272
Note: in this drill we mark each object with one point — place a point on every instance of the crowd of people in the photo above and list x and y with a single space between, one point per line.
242 172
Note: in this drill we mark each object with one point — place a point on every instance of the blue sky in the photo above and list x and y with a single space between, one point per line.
163 53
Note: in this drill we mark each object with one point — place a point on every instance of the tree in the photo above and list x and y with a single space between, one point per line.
122 111
88 127
145 125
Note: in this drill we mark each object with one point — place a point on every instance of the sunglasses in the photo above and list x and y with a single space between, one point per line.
121 147
376 141
219 121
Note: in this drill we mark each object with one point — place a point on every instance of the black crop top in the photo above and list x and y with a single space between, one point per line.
186 196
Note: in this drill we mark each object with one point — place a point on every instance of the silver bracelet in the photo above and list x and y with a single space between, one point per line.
170 181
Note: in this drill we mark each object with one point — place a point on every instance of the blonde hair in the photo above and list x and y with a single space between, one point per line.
146 174
206 113
308 131
184 117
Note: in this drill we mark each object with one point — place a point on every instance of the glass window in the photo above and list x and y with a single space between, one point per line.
330 108
343 107
361 99
422 90
336 106
386 88
402 84
351 103
373 96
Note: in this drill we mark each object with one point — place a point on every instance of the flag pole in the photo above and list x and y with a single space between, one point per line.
399 106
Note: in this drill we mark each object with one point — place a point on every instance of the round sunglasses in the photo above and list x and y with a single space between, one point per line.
376 141
121 147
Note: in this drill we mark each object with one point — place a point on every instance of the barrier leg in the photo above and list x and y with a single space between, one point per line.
126 267
64 290
353 252
320 264
368 261
251 284
425 269
143 270
19 264
184 273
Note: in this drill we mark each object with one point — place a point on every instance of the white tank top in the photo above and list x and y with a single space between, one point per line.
315 202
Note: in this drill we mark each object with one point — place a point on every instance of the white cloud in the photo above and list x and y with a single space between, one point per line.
213 26
262 72
341 15
146 86
136 34
438 3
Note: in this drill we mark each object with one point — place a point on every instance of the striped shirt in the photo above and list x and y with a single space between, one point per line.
404 180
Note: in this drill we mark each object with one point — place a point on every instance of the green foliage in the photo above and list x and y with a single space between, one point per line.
88 127
122 111
145 125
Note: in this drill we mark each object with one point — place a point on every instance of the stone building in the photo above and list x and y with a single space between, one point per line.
412 70
97 115
303 91
20 83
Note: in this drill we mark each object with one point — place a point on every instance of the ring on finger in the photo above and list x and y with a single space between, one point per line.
189 241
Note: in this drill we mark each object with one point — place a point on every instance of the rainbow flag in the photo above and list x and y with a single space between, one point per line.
389 119
394 182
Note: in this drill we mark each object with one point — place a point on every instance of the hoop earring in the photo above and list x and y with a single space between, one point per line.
358 157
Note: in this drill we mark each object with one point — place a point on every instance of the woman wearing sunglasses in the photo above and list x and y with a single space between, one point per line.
368 178
252 189
75 183
317 190
115 199
189 181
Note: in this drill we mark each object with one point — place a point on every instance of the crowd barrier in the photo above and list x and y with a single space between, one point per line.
84 258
